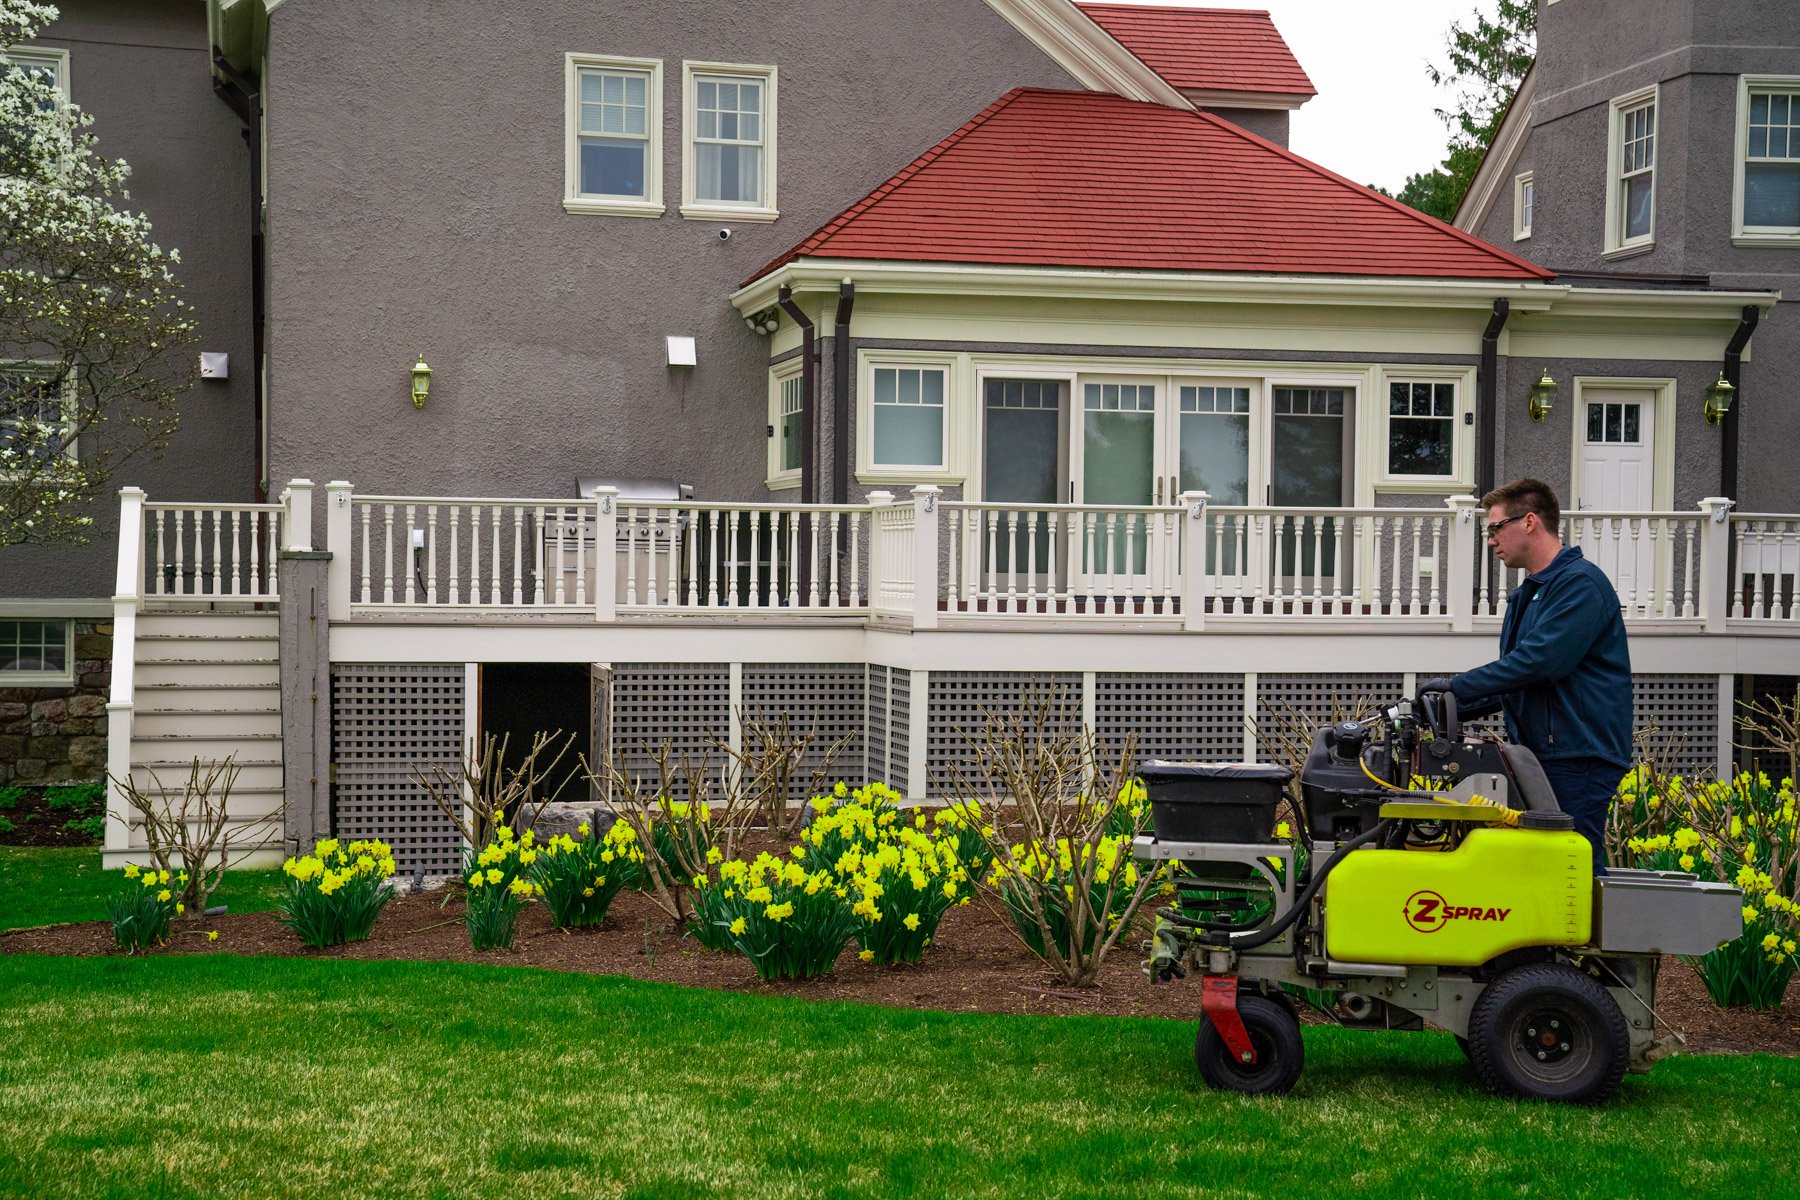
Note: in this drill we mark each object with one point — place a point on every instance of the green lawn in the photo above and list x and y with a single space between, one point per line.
273 1077
47 886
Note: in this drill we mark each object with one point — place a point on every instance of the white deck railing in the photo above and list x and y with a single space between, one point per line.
212 551
923 561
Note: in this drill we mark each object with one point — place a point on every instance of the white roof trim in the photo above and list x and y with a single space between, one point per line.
1224 98
1089 53
1484 189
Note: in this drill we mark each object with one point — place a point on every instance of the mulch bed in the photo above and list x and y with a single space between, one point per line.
974 966
35 823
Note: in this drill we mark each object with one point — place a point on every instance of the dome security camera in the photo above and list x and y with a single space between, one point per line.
724 235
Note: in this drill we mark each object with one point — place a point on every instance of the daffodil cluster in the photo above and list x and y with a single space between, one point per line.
1046 878
680 835
790 922
499 884
1746 832
142 910
905 884
334 894
578 877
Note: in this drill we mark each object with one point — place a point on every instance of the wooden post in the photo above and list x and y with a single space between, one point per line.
338 540
925 557
1193 560
1459 579
296 522
1715 563
606 554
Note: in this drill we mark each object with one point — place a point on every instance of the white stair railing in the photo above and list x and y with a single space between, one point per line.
216 552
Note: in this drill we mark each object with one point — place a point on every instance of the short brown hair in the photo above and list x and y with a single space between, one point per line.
1527 495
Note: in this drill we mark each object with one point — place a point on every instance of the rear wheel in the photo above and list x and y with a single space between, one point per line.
1274 1035
1549 1032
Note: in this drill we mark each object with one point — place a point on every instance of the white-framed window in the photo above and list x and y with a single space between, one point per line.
728 142
1631 173
613 135
786 424
42 61
910 417
36 415
1766 184
1524 202
36 652
1421 431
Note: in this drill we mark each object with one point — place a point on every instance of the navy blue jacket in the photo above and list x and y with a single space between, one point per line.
1563 675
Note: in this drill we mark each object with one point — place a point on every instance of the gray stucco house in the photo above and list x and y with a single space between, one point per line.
1058 376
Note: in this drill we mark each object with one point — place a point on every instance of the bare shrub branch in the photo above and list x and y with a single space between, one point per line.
484 793
191 830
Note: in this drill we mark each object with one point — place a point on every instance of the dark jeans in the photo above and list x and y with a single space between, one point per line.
1585 788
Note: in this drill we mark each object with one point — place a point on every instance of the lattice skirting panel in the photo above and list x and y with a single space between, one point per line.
1186 718
1290 707
826 704
960 703
1678 717
899 770
389 724
685 705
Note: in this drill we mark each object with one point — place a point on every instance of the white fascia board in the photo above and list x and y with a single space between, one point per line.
1217 98
1093 56
822 275
1662 303
1493 172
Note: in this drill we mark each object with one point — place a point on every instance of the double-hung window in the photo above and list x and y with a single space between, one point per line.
36 412
1631 177
907 418
729 142
48 66
1767 204
787 426
1524 204
614 135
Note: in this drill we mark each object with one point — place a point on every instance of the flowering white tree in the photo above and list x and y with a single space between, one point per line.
95 342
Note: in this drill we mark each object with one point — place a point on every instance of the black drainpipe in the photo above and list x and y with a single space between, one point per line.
1487 399
1734 357
840 399
244 97
809 397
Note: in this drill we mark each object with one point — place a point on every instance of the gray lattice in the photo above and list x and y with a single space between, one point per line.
1291 706
1683 710
900 731
961 702
1194 718
824 703
875 725
389 724
686 705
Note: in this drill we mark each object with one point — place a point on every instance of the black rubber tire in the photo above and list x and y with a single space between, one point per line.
1549 1032
1274 1034
1462 1043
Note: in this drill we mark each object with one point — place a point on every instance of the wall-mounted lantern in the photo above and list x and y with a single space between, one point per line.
1719 396
421 382
1543 396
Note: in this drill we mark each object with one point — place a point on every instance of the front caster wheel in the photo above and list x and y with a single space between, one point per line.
1274 1035
1549 1032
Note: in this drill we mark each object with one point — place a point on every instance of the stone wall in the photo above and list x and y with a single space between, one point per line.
58 735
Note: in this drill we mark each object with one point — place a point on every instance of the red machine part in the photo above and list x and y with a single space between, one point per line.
1218 1000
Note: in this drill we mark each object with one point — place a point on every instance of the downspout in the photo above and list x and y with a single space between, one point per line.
840 399
1734 357
1487 399
809 396
244 98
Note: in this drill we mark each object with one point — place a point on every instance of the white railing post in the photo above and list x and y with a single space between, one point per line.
1193 560
338 540
296 520
1715 563
1459 578
925 557
128 587
606 554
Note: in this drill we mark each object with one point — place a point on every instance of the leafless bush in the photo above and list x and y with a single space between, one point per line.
189 831
484 792
1776 722
1057 821
768 764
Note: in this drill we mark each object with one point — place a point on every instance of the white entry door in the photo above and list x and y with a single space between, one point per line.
1618 456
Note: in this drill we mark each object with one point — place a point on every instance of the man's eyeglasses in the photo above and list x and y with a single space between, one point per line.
1497 526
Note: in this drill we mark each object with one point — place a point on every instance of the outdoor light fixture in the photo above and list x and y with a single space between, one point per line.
764 321
1719 396
1543 396
421 383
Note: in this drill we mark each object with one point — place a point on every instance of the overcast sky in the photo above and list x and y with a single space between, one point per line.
1373 118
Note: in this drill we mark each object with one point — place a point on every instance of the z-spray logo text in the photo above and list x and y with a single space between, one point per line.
1429 912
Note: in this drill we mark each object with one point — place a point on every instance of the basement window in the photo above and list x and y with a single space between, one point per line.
36 653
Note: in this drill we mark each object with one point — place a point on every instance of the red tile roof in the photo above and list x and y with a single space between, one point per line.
1208 49
1089 179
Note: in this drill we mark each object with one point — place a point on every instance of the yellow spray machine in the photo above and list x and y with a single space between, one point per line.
1469 905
